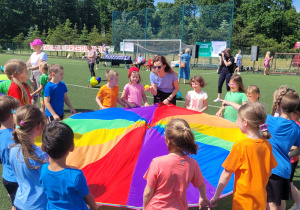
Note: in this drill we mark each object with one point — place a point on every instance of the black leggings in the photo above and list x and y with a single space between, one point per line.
161 96
222 78
91 68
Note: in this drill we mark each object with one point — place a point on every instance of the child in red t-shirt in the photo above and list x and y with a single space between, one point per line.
16 71
169 176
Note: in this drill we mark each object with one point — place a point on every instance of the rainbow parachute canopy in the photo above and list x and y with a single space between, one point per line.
114 148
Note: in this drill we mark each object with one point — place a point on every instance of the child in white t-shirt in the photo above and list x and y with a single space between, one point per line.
196 99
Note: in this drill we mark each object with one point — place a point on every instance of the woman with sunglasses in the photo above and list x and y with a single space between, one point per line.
227 69
164 81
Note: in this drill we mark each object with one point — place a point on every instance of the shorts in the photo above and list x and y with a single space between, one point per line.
294 165
278 189
51 119
11 188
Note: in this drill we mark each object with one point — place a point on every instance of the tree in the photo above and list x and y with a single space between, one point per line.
94 37
84 36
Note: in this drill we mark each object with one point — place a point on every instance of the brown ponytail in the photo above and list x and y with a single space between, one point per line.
25 119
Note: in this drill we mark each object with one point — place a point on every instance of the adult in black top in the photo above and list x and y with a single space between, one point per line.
226 70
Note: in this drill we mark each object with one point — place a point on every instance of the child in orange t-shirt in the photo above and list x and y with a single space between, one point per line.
169 176
250 159
108 95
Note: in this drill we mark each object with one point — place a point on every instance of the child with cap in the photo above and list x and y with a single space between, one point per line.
34 61
108 95
133 92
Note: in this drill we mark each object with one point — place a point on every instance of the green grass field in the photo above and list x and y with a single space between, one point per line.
83 98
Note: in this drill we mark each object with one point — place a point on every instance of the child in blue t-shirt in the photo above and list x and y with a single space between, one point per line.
26 158
7 106
66 187
55 94
285 133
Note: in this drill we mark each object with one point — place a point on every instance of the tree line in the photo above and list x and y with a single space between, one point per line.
271 24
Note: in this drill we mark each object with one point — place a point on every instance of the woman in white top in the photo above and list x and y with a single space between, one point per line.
34 61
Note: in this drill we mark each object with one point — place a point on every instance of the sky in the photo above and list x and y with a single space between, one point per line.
296 3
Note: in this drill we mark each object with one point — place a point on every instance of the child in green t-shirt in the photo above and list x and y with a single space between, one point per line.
236 95
43 67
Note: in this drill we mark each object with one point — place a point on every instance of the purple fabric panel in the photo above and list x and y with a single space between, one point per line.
153 146
146 112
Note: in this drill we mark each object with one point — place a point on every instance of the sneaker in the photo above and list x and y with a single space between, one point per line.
217 100
295 207
238 73
96 68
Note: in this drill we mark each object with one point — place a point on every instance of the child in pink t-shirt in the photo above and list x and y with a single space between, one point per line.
169 176
133 92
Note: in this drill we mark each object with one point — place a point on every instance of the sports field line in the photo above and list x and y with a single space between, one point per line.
80 86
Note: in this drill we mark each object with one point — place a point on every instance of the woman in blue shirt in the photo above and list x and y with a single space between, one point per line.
184 72
164 81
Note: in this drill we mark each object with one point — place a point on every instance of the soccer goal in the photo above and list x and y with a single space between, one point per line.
170 48
286 63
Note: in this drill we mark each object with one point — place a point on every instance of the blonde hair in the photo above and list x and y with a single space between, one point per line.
179 134
44 66
253 89
54 68
187 50
13 67
268 53
255 114
199 79
239 81
25 119
287 99
110 74
135 72
7 104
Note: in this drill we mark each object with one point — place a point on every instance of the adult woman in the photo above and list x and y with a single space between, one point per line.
164 81
34 61
267 63
184 72
226 71
91 59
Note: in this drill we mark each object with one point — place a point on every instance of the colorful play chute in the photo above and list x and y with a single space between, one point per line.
114 148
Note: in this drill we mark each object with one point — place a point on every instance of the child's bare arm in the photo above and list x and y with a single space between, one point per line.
123 98
205 106
186 103
50 109
98 100
230 103
219 113
122 103
89 199
224 179
145 98
148 194
203 200
67 101
37 91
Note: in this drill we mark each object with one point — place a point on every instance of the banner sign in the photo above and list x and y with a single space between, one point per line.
211 49
129 47
72 48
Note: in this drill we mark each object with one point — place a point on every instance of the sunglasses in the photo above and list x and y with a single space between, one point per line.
156 67
232 85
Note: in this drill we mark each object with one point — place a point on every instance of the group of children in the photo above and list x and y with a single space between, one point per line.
261 162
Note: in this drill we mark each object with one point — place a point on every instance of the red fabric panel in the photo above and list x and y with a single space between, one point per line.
109 178
164 111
